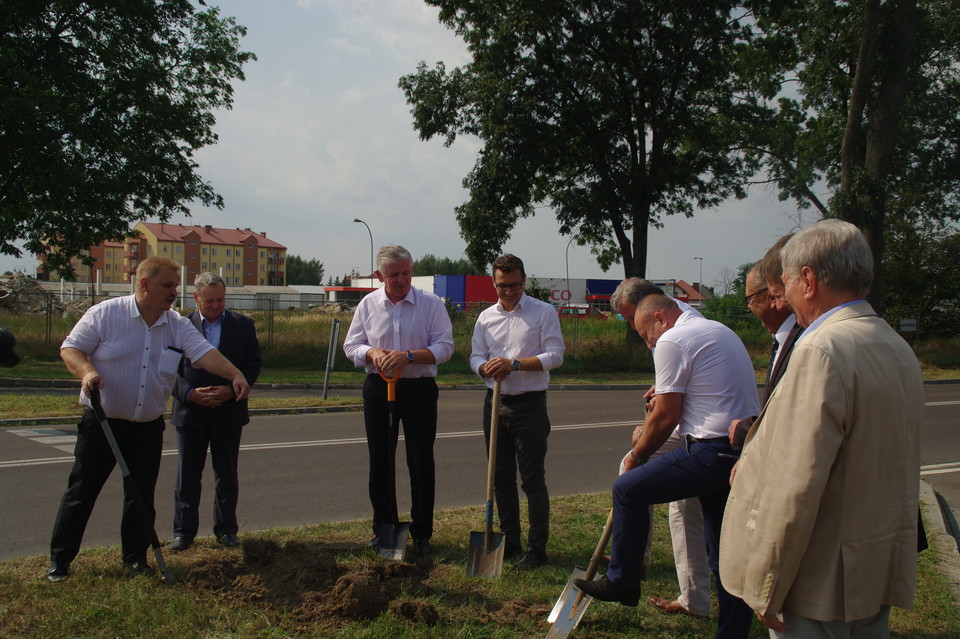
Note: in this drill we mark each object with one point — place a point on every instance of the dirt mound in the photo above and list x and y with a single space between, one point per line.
307 579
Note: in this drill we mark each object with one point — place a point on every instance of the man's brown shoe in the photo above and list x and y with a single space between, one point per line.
671 607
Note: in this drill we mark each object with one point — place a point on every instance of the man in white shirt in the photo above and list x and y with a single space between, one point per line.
704 379
517 341
128 348
684 516
402 329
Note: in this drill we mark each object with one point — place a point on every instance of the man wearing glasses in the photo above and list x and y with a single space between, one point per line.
777 317
516 342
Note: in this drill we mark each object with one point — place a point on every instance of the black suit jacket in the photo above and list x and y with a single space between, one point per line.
238 343
785 351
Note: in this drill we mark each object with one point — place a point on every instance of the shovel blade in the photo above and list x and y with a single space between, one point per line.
392 542
482 561
562 609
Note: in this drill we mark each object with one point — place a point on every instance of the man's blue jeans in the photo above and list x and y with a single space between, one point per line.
697 469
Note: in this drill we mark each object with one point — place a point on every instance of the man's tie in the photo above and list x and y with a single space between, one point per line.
773 358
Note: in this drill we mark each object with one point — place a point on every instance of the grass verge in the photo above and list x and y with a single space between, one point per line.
318 581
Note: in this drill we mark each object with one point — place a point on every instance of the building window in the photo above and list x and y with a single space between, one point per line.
263 267
108 268
213 266
203 265
250 259
164 248
229 252
193 241
250 245
263 254
229 265
203 250
179 248
193 256
213 250
109 253
261 281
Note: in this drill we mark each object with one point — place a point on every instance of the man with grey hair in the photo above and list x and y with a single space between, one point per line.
820 532
684 516
401 330
207 414
704 378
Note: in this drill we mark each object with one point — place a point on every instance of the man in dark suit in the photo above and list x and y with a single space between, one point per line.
206 413
777 317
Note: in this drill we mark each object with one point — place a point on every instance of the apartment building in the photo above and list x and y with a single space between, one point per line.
241 256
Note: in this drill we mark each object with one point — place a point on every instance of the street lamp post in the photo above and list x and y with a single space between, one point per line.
371 243
567 258
700 282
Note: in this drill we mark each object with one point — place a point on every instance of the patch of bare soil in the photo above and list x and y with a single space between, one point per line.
307 579
516 611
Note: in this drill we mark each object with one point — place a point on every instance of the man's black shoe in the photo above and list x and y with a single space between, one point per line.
139 567
58 572
605 590
532 559
422 548
179 544
229 540
512 551
373 543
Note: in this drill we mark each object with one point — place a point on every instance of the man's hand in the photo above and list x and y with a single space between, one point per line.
772 622
650 398
90 381
497 368
732 429
210 396
387 362
733 471
241 389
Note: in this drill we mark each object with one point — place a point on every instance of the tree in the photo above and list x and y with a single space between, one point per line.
432 265
614 113
307 272
102 105
879 90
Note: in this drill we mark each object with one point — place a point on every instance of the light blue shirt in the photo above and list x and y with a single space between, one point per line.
823 318
211 330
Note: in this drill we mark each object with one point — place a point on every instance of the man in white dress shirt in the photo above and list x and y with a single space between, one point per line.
128 348
401 328
517 341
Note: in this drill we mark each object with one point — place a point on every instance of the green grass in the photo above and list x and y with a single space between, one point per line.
284 584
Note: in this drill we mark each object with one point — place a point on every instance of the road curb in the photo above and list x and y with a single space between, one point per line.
943 535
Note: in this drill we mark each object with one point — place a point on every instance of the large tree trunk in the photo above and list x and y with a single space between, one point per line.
865 164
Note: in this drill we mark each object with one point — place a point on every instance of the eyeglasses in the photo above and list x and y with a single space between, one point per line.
749 297
515 286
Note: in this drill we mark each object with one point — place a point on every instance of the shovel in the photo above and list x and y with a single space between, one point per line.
485 557
168 577
392 540
569 609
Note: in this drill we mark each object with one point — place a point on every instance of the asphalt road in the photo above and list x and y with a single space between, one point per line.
301 469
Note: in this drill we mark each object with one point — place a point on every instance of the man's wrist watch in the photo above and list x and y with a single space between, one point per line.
515 364
410 357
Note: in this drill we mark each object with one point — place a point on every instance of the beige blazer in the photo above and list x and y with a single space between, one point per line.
822 516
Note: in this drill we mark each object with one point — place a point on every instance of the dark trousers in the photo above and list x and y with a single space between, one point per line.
192 443
697 469
141 444
521 446
416 410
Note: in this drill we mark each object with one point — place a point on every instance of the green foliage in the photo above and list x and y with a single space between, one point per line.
301 271
923 281
102 107
536 291
432 265
615 113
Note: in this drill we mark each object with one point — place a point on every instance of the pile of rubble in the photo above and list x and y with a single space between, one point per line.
22 295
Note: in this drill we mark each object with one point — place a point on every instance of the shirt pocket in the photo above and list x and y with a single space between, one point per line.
169 363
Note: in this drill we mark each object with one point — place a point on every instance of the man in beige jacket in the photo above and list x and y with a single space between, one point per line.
820 531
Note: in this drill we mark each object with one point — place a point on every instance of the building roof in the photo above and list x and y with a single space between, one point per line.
692 291
209 235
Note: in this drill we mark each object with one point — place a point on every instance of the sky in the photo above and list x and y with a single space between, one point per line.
320 134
